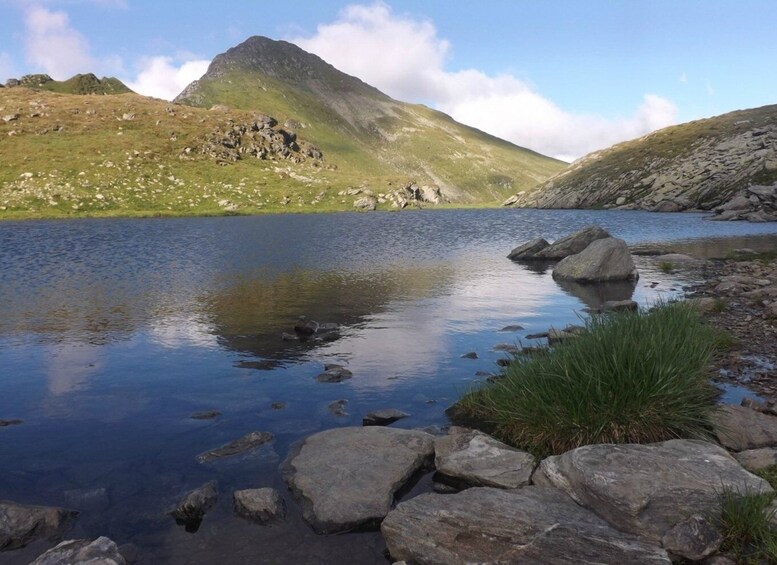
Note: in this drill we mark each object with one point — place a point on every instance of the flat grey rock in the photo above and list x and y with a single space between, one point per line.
248 442
346 478
738 428
476 459
383 417
194 505
102 551
337 408
532 525
334 374
620 306
604 260
262 505
21 524
206 415
647 489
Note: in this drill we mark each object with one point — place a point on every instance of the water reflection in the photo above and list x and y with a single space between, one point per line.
594 295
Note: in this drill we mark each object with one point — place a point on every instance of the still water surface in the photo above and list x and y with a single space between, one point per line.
113 332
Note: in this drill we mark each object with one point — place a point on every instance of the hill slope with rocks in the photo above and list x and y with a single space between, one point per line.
726 164
78 84
376 142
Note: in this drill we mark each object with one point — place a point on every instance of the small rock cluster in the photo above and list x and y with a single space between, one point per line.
588 255
757 203
260 139
410 194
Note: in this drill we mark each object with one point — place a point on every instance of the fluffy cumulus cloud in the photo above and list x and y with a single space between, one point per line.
52 45
405 58
163 77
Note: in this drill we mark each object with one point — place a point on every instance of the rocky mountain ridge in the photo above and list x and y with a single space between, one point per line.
726 164
79 84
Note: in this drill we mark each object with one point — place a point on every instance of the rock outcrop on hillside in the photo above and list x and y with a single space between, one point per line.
726 164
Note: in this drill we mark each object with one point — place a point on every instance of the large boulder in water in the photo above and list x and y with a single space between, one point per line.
532 525
528 250
346 478
648 489
572 244
606 259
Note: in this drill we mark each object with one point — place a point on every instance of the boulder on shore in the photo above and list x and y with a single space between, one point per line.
346 478
102 551
648 489
532 525
21 524
472 458
606 259
738 428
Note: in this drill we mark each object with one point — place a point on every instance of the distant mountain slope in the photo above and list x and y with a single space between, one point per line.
371 138
702 164
78 84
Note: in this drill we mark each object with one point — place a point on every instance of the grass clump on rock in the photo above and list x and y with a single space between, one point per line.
747 525
631 378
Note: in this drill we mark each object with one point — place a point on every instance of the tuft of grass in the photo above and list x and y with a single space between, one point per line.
746 523
769 474
666 266
631 378
720 305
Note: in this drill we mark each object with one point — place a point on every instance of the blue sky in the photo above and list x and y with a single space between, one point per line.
561 77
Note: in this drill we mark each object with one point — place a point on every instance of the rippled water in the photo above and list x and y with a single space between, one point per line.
113 332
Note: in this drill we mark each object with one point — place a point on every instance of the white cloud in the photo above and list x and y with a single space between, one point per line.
53 46
161 77
405 58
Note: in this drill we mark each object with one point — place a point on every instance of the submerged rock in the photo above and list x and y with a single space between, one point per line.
248 442
472 458
383 417
102 551
262 505
337 408
13 422
647 489
334 374
346 478
192 508
206 415
21 524
532 525
606 259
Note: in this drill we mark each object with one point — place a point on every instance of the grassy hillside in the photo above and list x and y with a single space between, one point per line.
697 164
362 130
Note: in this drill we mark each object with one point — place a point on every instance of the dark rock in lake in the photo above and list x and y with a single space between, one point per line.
620 306
102 551
262 505
263 365
248 442
470 355
21 524
371 465
506 347
289 337
528 250
193 506
14 422
383 417
540 335
334 374
337 408
512 328
305 327
529 525
206 415
278 405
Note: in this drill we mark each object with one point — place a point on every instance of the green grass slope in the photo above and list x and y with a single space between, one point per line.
364 132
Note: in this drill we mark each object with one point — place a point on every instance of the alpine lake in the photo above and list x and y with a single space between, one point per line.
113 333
